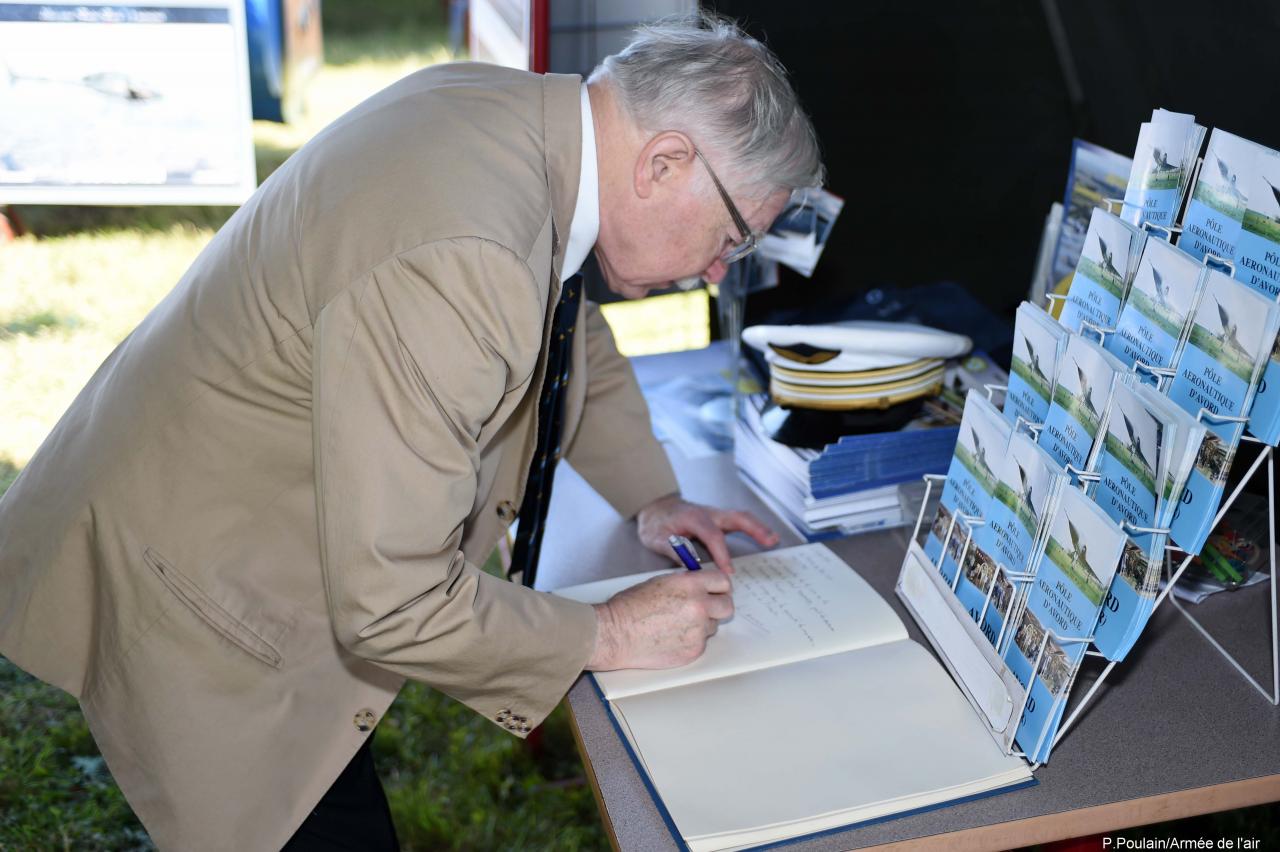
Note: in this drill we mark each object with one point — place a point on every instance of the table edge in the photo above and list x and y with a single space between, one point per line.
1099 819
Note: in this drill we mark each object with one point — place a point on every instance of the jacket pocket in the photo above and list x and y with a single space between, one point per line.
210 611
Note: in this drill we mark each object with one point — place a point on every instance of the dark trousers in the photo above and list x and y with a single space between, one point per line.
353 816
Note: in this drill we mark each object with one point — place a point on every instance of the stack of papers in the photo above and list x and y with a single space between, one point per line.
849 486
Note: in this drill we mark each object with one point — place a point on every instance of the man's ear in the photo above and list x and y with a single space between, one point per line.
666 158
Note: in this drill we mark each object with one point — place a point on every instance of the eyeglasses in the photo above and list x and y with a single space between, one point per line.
750 242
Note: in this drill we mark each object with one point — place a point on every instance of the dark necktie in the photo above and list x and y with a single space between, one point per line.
542 470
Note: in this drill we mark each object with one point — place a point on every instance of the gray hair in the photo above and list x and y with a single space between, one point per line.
704 76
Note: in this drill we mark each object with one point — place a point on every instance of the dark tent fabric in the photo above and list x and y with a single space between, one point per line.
947 127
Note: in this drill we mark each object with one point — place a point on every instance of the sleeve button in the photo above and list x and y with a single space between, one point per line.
365 720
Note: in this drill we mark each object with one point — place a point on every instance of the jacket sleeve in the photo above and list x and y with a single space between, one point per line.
410 362
614 447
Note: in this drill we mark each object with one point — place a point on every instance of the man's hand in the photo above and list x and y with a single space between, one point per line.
671 515
662 622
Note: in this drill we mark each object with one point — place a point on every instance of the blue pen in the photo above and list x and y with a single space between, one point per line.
684 549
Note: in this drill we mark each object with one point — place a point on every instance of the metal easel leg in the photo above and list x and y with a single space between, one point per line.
1268 455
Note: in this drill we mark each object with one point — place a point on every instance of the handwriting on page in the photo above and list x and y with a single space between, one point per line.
789 593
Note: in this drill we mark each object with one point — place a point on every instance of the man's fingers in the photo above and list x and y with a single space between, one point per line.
719 607
742 521
713 580
712 538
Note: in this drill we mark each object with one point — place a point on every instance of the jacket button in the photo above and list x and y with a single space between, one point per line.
365 720
506 511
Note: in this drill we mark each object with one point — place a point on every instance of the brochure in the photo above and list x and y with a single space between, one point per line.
1218 203
1101 280
1154 320
1133 462
1074 569
1257 264
1085 376
1038 342
1028 483
1231 338
1162 163
971 481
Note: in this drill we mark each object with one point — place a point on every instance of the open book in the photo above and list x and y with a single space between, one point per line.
810 710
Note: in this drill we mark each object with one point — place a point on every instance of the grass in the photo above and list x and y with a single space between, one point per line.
453 779
1094 271
55 791
1262 225
1209 343
1131 462
1077 572
70 295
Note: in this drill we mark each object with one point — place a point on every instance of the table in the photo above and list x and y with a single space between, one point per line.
1174 731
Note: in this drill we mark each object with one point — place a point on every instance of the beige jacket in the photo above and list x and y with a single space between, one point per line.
266 508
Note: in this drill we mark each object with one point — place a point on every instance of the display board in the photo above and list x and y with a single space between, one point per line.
125 103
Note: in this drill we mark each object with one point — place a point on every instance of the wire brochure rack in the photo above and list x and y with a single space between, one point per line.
976 660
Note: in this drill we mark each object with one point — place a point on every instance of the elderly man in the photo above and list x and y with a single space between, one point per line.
266 509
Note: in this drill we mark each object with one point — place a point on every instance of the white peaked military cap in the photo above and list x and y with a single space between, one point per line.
853 345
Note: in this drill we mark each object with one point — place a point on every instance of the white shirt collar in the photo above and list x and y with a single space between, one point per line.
585 227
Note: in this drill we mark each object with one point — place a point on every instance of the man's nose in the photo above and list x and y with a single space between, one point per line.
715 271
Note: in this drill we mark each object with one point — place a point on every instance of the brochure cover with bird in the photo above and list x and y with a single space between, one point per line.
1038 342
971 481
1218 203
1073 571
1132 463
1027 486
1258 265
1166 150
1131 600
1232 333
1085 376
1155 317
1101 280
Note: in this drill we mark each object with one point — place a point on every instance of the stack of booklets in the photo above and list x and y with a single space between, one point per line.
1028 557
1233 221
1038 343
1218 371
1163 163
1152 325
810 710
1101 279
850 486
1143 461
1055 618
1086 375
